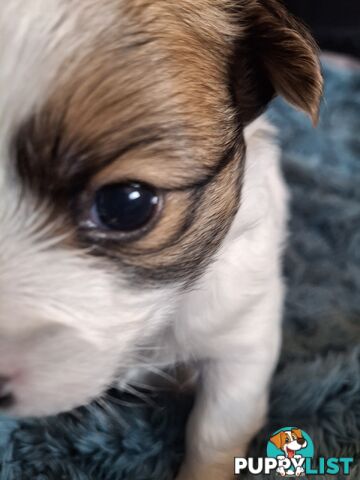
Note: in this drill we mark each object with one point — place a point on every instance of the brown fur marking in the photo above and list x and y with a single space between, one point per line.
163 99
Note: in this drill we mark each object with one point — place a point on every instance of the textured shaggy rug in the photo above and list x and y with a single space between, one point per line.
317 385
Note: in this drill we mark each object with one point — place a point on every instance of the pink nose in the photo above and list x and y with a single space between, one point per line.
7 399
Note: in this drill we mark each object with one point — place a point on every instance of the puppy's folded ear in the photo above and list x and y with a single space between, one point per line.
278 440
275 55
297 432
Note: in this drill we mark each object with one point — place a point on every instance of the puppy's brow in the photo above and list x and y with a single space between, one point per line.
44 156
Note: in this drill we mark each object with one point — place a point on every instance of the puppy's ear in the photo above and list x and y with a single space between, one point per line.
297 432
278 440
275 55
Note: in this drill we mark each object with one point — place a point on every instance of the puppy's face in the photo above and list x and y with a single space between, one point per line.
289 441
121 162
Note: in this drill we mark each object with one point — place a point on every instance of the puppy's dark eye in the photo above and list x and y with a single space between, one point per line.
124 207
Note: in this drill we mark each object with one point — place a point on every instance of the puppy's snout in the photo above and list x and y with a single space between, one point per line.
7 398
301 441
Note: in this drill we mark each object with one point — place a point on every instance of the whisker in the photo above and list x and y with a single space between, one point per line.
107 408
144 386
118 401
140 396
153 348
166 376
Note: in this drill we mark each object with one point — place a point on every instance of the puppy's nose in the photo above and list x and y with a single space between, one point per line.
301 441
7 399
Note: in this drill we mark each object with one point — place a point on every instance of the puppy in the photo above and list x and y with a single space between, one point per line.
290 442
141 224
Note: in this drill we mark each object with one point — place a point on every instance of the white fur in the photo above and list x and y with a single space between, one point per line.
232 319
70 324
31 36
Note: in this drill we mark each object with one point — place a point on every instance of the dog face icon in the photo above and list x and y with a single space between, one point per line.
289 441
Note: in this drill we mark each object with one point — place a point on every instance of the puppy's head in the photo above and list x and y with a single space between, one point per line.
121 161
289 441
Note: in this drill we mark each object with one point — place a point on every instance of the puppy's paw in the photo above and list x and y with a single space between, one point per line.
281 471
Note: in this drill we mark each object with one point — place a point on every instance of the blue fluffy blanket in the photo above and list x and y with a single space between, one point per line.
317 385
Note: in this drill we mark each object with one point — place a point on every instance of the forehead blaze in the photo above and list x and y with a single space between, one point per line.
149 103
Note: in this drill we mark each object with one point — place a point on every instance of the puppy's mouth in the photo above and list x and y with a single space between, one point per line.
291 453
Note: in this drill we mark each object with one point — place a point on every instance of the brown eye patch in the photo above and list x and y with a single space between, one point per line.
160 114
193 220
192 226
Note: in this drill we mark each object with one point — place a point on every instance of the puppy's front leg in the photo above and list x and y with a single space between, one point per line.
231 407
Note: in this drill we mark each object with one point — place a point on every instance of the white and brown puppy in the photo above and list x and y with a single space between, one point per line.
135 230
289 442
